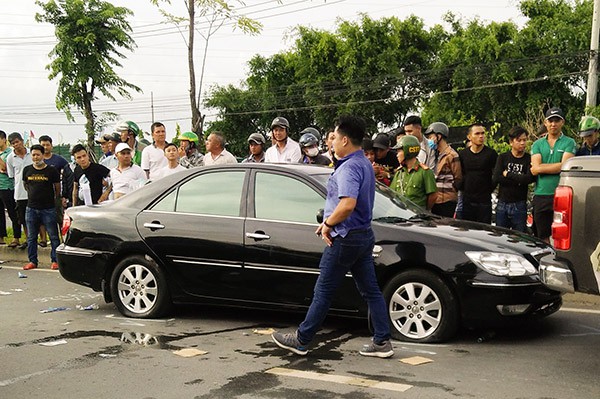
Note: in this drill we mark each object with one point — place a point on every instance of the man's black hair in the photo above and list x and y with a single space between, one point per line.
472 125
2 134
14 135
45 138
155 125
38 147
516 131
76 148
413 120
352 127
167 145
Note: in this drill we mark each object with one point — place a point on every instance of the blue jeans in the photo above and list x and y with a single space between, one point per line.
512 215
34 218
353 253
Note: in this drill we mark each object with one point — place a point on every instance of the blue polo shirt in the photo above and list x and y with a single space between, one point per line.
352 177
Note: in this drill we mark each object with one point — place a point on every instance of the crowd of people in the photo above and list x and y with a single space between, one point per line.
36 185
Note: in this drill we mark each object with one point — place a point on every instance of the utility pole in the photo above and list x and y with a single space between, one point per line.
152 104
592 83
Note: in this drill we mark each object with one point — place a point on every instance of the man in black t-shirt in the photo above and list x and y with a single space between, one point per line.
42 183
477 164
386 159
89 179
513 176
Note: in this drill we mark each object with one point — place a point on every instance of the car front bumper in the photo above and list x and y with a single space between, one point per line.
556 274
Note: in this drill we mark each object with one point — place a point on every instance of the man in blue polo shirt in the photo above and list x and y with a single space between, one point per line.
547 157
347 232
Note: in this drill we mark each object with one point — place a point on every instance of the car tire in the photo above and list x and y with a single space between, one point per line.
421 307
139 288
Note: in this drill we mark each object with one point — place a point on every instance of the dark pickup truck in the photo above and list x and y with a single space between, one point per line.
576 229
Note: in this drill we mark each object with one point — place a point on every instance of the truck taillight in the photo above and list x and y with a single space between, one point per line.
563 217
66 224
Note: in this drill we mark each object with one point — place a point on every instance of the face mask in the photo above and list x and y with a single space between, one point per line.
312 152
432 144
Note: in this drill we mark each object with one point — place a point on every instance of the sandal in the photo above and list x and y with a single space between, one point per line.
13 244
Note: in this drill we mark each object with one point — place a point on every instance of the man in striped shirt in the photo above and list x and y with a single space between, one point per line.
448 173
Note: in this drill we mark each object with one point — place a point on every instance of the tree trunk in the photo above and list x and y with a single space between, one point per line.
89 118
197 117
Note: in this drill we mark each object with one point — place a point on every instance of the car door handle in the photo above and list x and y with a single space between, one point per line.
154 226
258 236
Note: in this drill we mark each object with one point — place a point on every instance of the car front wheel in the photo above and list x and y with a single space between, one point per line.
421 307
139 288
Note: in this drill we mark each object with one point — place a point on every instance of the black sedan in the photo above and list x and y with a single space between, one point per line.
244 235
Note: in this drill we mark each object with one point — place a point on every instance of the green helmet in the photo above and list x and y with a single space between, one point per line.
130 127
588 125
189 136
410 145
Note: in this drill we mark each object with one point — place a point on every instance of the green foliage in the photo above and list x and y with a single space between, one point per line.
497 72
90 37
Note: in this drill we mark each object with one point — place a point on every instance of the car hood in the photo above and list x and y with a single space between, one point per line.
443 241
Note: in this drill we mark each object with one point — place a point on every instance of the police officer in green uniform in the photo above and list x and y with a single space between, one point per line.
413 179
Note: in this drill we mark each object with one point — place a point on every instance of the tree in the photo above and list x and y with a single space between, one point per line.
497 72
372 68
90 37
214 14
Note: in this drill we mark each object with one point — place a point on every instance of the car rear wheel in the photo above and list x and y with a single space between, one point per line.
139 288
421 307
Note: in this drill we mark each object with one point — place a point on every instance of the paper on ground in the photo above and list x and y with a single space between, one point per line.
54 343
189 352
267 331
416 360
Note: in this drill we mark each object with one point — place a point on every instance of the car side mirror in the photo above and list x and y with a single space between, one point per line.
320 216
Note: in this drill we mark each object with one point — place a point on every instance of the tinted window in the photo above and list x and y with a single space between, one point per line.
211 194
166 204
279 197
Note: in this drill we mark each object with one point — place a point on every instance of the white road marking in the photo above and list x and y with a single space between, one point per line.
112 316
340 379
32 270
405 349
577 310
10 381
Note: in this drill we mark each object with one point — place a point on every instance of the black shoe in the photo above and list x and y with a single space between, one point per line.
43 244
23 246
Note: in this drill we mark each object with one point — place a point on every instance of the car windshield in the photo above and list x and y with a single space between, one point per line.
390 207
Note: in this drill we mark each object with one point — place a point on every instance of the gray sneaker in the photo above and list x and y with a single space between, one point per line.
290 342
382 350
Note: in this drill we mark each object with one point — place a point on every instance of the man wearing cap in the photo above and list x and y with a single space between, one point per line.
153 156
104 141
386 161
127 176
547 157
413 127
111 161
129 132
588 130
285 150
256 144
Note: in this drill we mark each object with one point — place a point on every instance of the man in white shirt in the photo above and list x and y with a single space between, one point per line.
127 176
216 154
15 163
153 156
285 150
173 166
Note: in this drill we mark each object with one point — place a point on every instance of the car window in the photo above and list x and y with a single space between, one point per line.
389 204
217 193
278 197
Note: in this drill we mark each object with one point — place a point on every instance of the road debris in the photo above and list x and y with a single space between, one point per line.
57 309
189 352
416 360
54 343
93 306
21 275
267 331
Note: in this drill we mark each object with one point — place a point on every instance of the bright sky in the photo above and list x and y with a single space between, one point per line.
159 64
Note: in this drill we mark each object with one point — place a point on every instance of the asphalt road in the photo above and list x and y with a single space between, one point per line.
99 354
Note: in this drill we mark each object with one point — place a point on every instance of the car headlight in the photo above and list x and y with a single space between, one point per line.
502 264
